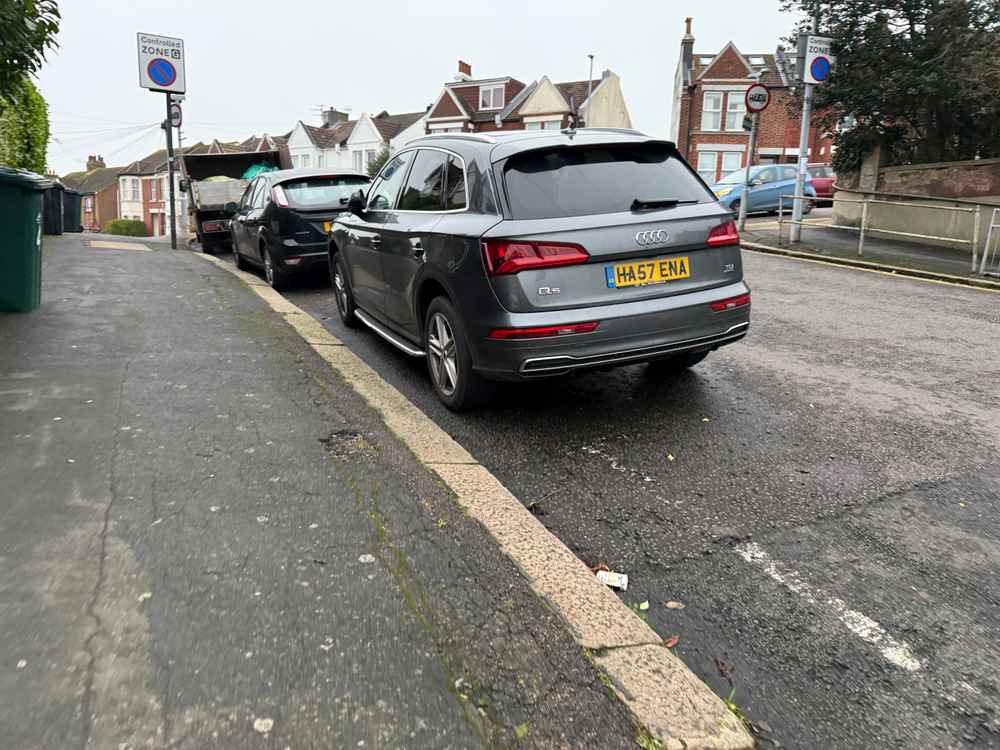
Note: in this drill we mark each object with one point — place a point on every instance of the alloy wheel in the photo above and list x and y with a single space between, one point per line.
341 287
268 268
443 354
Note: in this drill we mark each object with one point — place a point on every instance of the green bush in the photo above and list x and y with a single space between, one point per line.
24 129
126 228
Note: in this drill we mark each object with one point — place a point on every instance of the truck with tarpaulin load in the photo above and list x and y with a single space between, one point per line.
212 181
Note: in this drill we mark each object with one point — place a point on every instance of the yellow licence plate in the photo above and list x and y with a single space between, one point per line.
643 272
327 226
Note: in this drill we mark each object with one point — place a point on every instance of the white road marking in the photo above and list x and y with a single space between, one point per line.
895 652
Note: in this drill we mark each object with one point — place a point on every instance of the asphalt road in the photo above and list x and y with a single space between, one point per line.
822 498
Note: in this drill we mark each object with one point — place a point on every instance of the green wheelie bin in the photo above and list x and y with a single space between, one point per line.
21 195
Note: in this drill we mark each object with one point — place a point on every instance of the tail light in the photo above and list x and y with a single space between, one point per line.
732 303
278 194
508 334
724 234
510 256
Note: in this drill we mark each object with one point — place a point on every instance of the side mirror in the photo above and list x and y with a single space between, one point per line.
756 182
356 203
231 208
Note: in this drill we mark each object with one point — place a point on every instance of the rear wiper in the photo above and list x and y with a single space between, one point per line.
638 205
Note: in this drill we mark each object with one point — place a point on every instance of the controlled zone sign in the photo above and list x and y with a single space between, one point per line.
817 59
161 63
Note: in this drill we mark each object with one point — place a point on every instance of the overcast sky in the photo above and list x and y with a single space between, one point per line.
257 66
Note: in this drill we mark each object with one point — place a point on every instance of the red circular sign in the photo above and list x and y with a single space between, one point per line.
757 98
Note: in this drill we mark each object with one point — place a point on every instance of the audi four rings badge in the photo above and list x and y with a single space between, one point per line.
652 237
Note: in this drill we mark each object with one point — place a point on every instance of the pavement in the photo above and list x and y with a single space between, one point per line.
880 253
207 540
814 512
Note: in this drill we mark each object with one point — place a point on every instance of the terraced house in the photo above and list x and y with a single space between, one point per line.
475 105
351 144
708 110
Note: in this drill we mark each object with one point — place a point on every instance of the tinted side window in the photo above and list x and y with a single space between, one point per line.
599 179
382 195
425 185
247 194
455 185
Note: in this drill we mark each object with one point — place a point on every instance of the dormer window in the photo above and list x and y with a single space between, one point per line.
757 60
491 97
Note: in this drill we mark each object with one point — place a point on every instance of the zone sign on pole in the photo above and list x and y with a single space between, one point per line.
757 98
161 63
818 62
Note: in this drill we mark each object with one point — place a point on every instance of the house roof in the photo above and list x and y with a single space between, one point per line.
389 126
577 90
93 181
467 94
330 136
772 75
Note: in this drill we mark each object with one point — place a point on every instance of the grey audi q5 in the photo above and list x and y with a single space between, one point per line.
530 254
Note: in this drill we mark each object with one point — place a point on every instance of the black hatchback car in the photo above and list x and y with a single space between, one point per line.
283 221
527 254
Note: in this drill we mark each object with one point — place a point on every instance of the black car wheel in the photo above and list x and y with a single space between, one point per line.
241 264
276 278
449 359
342 291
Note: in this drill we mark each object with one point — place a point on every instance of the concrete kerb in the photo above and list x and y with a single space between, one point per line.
865 265
665 697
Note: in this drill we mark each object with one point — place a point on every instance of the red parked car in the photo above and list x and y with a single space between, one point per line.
822 181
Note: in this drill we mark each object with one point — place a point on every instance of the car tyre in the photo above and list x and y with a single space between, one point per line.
238 259
343 292
449 359
275 277
678 363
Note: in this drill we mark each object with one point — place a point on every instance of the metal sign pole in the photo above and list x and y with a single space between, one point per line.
795 233
170 174
745 200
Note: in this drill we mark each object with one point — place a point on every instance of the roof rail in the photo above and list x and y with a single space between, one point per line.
465 136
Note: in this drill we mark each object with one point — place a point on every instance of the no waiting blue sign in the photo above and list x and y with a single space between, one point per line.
161 72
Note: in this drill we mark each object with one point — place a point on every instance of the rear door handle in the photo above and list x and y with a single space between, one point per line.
376 242
418 248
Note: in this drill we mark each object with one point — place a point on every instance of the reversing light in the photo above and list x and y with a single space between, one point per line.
544 332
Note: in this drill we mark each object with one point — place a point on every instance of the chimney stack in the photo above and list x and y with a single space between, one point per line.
687 47
464 71
95 162
333 116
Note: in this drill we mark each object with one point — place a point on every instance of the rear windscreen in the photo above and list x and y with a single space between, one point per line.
321 192
583 180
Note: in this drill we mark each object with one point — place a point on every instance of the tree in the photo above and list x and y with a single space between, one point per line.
27 29
24 129
379 161
920 78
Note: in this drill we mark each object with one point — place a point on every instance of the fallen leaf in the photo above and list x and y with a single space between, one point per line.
670 456
145 596
706 419
671 641
263 725
644 606
521 730
600 566
673 605
366 559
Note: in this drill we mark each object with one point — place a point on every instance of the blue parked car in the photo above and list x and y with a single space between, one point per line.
767 182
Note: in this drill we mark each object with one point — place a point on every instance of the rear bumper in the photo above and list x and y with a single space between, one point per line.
628 333
300 256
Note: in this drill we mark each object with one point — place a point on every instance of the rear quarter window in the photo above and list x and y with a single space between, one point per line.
597 179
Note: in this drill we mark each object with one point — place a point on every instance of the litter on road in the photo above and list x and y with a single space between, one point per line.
614 580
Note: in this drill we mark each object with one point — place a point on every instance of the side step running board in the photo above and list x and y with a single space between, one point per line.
392 338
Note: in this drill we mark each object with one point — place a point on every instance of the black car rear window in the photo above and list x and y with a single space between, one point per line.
583 180
321 192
